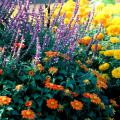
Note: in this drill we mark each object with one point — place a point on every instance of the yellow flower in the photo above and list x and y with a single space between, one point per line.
114 40
98 47
18 87
116 72
109 53
117 54
104 67
86 81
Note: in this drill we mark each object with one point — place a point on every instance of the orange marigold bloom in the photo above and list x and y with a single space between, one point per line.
85 40
77 105
31 73
100 36
51 54
18 87
98 47
53 70
28 114
28 104
52 103
4 100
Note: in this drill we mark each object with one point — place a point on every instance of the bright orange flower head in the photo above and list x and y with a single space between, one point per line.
53 86
53 70
28 104
76 105
100 36
97 47
52 103
28 114
4 100
85 40
51 54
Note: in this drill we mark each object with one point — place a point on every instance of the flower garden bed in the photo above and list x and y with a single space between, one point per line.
59 62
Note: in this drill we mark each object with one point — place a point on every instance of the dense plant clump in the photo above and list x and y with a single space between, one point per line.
58 60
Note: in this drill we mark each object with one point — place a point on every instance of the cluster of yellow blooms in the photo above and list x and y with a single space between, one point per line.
104 67
116 72
114 53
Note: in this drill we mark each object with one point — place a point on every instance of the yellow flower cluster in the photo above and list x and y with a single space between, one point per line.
104 67
113 30
69 7
114 40
114 53
116 72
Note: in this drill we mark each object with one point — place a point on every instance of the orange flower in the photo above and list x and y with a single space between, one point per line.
100 36
51 54
97 47
4 100
53 70
53 86
40 67
95 99
87 95
28 104
31 73
52 103
85 40
77 105
28 114
18 87
47 79
101 84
